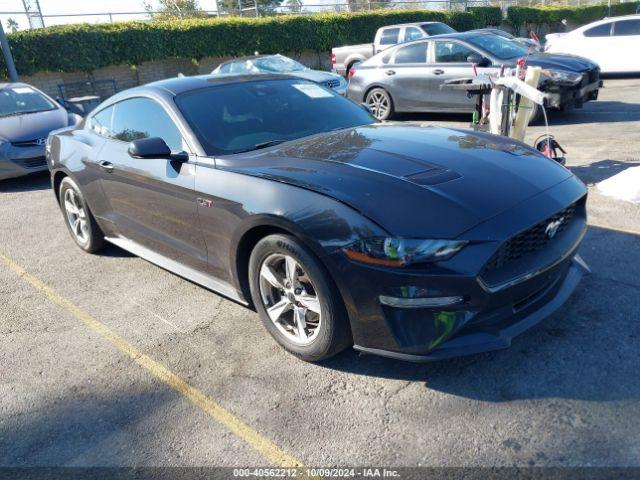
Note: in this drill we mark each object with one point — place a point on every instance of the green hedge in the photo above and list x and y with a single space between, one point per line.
533 17
88 47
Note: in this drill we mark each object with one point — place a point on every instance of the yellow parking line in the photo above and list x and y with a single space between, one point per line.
258 442
615 229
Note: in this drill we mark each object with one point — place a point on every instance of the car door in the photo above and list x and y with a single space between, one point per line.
152 201
407 77
625 45
448 61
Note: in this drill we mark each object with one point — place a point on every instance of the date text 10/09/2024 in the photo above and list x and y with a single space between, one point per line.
316 472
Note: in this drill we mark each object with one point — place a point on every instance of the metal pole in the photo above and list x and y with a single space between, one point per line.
8 58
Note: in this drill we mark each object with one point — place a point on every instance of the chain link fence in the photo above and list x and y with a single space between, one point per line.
14 20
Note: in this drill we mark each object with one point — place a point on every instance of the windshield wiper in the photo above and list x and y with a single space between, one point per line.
259 146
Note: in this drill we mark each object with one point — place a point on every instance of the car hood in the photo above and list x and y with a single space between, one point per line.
317 76
22 128
414 181
560 61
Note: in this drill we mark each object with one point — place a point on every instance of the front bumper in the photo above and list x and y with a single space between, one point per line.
562 97
495 303
19 161
499 336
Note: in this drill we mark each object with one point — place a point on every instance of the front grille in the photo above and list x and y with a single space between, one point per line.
332 83
36 162
594 75
37 142
530 241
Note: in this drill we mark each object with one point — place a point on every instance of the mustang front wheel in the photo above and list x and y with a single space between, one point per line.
296 299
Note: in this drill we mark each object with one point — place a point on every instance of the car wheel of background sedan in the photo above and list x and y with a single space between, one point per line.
80 222
379 101
296 299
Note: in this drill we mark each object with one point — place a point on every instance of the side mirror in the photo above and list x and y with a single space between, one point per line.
478 59
153 147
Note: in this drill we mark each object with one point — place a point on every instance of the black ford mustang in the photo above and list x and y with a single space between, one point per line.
404 240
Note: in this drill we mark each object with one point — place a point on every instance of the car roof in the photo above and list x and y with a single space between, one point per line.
412 24
178 85
4 85
249 57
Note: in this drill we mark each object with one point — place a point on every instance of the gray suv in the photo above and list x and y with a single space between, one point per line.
27 116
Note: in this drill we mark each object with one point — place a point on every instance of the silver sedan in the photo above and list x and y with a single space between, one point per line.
410 77
27 116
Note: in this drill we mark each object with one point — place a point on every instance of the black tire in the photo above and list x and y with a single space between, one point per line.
92 238
333 332
375 98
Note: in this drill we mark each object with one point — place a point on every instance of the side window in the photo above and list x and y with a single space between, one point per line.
101 122
143 118
226 68
413 33
416 53
625 28
598 31
451 52
389 36
238 67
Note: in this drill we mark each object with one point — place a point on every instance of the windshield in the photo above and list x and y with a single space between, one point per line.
250 115
278 64
20 100
437 29
499 47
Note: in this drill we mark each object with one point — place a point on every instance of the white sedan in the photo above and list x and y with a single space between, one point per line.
613 43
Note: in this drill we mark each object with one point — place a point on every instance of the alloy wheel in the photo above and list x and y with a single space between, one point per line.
378 102
76 216
290 299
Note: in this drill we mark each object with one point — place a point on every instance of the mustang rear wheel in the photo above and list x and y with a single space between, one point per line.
80 222
296 299
379 102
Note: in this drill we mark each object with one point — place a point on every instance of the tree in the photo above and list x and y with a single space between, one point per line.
12 25
175 9
294 6
248 7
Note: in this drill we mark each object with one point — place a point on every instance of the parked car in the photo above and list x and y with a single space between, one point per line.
410 77
530 43
343 58
27 115
281 64
612 43
408 241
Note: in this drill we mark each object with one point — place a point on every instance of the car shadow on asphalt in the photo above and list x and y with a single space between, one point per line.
587 350
82 429
29 183
596 172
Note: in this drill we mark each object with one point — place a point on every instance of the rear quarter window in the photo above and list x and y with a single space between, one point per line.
598 31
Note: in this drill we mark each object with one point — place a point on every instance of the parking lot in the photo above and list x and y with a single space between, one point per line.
108 360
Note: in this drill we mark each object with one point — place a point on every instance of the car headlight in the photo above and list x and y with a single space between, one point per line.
564 76
399 252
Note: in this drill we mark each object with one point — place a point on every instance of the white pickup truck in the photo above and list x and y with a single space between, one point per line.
343 58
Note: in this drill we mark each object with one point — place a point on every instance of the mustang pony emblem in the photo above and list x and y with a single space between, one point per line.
552 227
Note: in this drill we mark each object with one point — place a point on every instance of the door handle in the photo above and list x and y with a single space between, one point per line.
390 72
438 71
108 166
